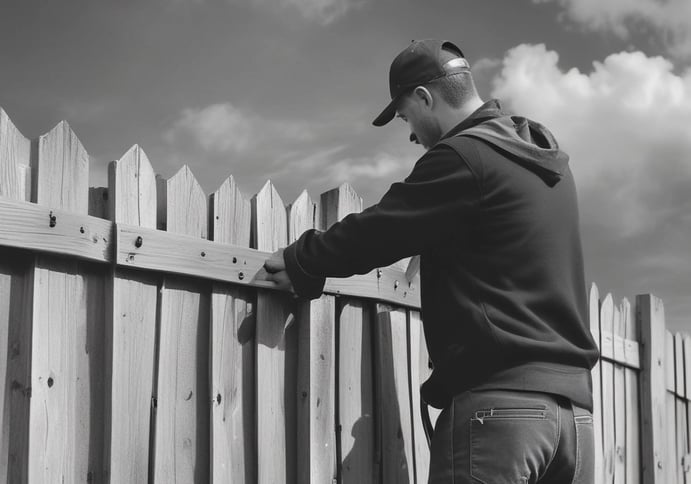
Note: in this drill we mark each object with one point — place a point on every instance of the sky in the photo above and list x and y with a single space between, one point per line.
286 90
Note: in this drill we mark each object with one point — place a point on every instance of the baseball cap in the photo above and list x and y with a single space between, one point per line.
419 63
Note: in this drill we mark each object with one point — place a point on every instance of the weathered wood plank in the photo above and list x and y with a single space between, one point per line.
681 427
131 321
233 441
651 321
393 396
418 373
358 463
619 402
608 422
60 322
594 316
15 178
182 416
183 255
28 226
672 458
316 367
276 369
16 275
633 434
355 374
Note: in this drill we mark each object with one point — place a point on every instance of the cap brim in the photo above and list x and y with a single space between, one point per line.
386 115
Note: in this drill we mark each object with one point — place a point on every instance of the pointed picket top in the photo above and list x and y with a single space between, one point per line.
269 219
186 209
15 152
607 314
301 216
132 189
232 215
63 170
594 306
339 202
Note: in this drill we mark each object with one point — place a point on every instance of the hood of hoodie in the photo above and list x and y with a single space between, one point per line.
524 141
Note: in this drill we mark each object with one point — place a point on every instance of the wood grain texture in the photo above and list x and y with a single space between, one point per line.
316 378
61 323
14 161
233 441
681 427
672 459
27 226
608 422
633 431
16 275
594 316
619 402
63 171
355 389
131 321
419 371
393 395
182 435
276 353
355 370
650 315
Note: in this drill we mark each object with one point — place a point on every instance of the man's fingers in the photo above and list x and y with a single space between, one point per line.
275 263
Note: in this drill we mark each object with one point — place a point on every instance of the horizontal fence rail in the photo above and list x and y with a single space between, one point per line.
136 344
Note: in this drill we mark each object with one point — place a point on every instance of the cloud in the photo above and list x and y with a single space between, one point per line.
626 125
671 18
224 128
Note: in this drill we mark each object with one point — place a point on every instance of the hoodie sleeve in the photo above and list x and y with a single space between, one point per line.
432 203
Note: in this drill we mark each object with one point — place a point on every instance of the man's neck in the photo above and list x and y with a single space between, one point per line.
457 115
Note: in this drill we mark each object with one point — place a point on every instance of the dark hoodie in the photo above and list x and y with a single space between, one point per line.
492 212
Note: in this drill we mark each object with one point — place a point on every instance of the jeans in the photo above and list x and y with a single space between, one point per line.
505 436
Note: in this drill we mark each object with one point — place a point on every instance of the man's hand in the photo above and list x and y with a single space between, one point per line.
275 268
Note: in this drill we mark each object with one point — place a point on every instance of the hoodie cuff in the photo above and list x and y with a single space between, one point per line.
304 284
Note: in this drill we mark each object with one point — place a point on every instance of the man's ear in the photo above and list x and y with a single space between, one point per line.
424 95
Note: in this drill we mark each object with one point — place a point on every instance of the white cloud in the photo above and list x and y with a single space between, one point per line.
626 125
671 18
224 128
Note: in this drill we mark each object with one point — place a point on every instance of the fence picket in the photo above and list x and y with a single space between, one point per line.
15 175
16 281
355 387
131 323
651 321
418 374
393 396
619 395
607 349
681 427
233 441
594 316
633 436
316 367
276 358
181 452
57 427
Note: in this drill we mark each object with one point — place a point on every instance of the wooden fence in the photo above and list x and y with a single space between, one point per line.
136 346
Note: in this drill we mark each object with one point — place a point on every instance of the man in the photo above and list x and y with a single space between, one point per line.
491 210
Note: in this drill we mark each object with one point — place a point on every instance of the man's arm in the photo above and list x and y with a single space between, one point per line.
416 214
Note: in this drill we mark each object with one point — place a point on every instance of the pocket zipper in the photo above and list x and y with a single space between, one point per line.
509 413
